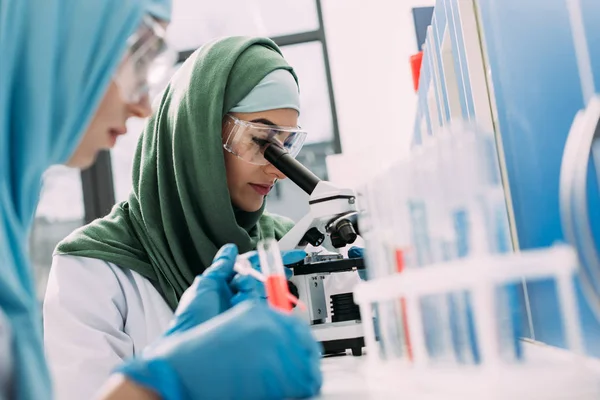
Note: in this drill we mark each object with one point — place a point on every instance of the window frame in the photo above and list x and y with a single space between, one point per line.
97 181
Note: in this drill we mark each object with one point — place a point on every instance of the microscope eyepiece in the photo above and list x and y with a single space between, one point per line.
279 157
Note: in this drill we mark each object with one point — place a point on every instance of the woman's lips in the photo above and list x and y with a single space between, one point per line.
263 190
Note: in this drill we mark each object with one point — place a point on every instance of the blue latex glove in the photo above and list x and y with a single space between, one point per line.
249 352
247 287
210 293
358 252
219 288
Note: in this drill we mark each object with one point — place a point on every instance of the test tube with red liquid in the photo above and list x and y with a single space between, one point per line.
272 268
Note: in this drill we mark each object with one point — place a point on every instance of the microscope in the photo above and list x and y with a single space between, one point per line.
331 224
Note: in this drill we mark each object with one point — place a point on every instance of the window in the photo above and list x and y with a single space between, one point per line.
60 212
295 25
196 22
316 118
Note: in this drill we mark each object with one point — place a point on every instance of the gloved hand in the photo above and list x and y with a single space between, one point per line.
220 287
248 287
249 352
210 293
358 252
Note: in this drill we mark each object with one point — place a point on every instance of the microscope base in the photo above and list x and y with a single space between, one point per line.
339 346
337 337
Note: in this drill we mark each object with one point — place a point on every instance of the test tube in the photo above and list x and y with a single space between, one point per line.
244 267
271 265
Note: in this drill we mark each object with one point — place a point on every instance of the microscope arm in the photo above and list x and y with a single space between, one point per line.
326 224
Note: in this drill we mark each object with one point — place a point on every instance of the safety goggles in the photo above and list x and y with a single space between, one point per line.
148 62
248 140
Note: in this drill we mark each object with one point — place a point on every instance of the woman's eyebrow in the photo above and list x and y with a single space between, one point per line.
264 121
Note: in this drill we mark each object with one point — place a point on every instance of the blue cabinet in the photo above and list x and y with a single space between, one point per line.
511 66
537 92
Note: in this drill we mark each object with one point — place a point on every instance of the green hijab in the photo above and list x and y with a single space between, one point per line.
180 213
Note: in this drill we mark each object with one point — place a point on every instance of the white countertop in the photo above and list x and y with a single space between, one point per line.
345 377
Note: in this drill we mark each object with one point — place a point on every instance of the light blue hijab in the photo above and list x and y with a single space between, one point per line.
56 60
278 89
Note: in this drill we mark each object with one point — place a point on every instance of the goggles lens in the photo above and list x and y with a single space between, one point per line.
247 140
148 62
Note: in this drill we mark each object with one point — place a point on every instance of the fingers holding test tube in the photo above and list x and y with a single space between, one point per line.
251 283
271 266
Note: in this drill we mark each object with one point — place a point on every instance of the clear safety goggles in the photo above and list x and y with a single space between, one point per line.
148 62
248 140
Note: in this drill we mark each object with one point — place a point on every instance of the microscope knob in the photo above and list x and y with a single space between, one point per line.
346 231
314 237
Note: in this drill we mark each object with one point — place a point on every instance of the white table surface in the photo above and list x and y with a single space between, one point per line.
345 377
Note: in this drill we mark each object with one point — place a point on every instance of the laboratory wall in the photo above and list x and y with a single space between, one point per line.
369 47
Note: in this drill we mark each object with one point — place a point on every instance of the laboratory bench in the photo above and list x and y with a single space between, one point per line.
345 376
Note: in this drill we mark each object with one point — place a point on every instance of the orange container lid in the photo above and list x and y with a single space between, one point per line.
415 65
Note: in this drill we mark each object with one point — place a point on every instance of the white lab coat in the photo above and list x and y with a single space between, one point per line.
5 357
95 316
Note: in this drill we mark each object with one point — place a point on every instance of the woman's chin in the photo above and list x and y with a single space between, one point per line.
249 206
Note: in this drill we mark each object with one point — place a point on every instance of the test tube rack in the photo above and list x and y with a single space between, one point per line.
539 374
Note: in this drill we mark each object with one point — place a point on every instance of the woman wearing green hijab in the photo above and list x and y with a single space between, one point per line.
199 182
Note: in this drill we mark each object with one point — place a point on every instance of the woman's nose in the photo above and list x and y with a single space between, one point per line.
271 170
141 109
